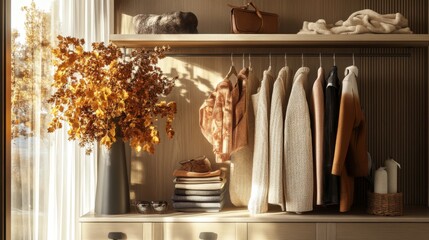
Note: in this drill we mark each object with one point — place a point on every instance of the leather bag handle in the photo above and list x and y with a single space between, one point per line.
258 13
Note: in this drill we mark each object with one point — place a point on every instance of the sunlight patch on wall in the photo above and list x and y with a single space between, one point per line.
196 76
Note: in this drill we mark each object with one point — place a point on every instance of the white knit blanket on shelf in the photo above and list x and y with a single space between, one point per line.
363 21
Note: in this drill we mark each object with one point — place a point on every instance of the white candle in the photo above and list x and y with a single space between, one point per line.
392 175
380 180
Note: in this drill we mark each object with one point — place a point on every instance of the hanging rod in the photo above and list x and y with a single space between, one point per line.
297 54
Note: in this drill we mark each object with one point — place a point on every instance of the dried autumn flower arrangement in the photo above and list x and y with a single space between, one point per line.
103 97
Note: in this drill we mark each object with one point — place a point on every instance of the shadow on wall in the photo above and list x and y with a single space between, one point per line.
151 175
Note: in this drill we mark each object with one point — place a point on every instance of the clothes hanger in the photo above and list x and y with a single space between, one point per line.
250 62
320 60
302 59
243 62
353 59
269 67
334 60
285 60
232 71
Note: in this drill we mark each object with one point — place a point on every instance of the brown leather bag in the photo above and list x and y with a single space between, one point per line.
244 20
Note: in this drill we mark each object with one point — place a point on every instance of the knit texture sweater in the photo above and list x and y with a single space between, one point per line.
279 99
298 151
351 158
258 202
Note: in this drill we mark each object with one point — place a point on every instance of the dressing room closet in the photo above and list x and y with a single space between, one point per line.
393 90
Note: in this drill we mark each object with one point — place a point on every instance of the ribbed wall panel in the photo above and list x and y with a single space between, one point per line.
414 10
394 93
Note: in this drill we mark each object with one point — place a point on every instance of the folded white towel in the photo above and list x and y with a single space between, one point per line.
363 21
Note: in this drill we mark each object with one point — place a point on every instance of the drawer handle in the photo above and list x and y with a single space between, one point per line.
116 235
208 236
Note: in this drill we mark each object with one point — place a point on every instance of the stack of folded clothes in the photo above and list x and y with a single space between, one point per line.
201 191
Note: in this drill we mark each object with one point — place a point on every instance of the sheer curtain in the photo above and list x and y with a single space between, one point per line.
53 181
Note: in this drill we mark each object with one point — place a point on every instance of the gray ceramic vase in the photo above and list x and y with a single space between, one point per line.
112 195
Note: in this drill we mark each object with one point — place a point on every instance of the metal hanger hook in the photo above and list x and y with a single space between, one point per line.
334 60
302 59
232 59
270 58
320 59
250 62
285 60
353 59
243 61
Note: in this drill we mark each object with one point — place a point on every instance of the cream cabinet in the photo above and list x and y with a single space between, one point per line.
102 231
207 231
281 231
236 224
255 231
375 231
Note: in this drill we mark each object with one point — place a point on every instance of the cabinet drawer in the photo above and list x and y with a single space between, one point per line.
205 231
99 231
376 231
281 231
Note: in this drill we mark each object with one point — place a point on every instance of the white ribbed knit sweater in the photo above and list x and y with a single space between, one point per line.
258 202
298 148
279 99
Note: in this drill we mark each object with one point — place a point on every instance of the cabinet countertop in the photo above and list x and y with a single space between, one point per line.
411 215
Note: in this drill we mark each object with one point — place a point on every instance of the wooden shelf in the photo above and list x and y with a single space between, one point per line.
269 40
411 215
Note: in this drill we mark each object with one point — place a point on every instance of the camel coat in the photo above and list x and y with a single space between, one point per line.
317 116
350 158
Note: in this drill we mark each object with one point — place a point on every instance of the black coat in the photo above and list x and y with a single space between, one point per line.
331 183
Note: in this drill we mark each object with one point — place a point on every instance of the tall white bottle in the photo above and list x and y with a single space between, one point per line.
392 175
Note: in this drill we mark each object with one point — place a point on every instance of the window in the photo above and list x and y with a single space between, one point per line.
52 179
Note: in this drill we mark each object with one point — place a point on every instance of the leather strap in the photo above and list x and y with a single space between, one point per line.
256 9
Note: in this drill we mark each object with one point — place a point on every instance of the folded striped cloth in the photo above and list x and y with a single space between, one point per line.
196 198
189 192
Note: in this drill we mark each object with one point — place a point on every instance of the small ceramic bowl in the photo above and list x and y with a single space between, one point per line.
143 206
159 206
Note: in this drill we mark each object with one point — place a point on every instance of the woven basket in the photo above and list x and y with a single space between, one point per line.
390 204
